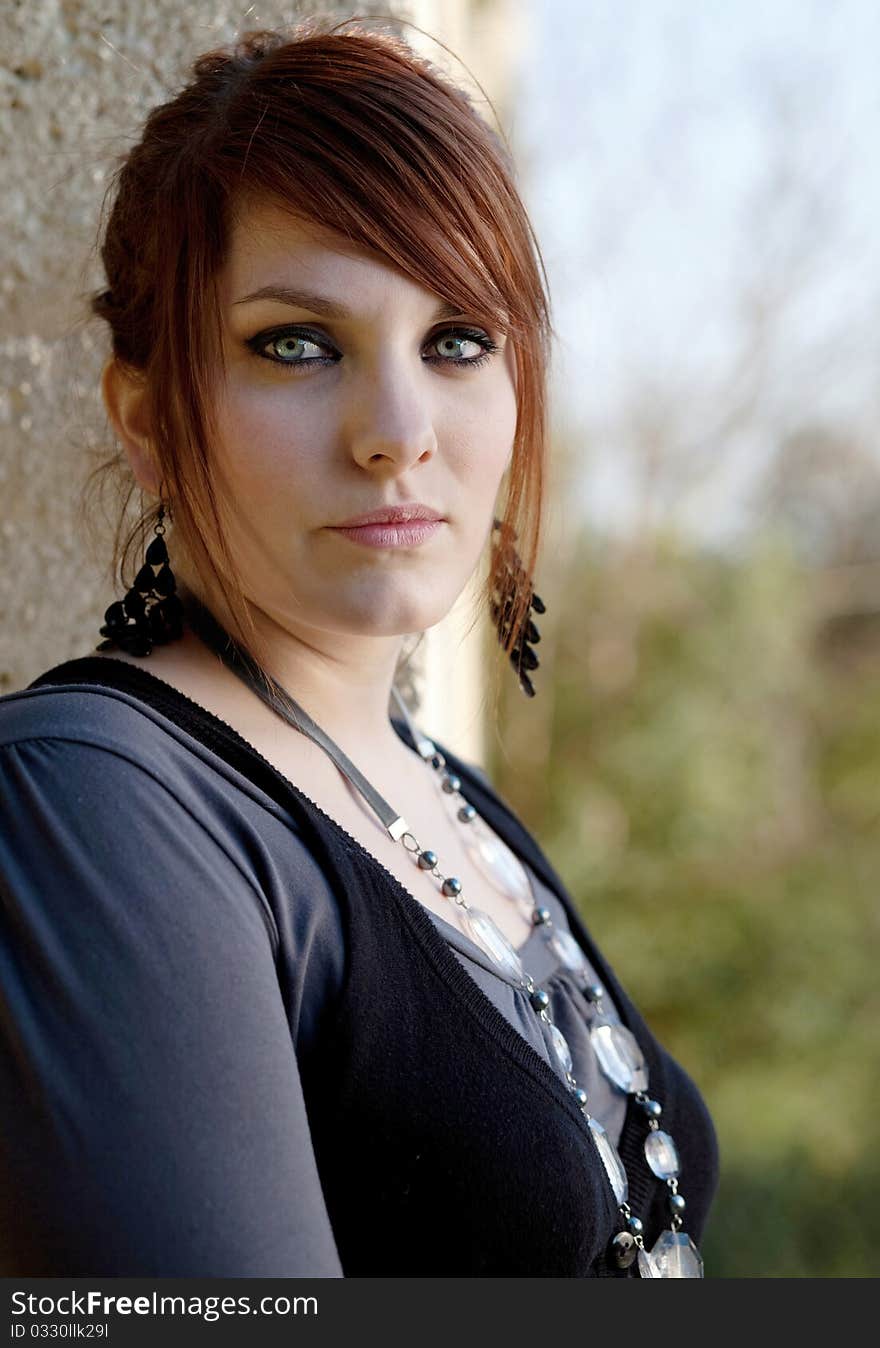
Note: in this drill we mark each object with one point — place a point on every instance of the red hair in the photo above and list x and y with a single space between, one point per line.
348 129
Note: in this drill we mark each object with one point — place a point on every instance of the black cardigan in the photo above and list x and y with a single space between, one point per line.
446 1146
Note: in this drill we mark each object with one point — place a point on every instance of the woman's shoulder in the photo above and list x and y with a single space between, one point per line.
87 706
112 792
139 756
86 713
70 726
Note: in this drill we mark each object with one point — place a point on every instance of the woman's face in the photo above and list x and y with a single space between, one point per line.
324 418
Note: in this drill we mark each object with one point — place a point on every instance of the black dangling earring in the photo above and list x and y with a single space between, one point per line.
151 603
511 578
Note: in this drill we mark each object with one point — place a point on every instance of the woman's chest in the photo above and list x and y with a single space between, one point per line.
432 824
407 783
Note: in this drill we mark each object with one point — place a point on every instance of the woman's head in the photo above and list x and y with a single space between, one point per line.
333 161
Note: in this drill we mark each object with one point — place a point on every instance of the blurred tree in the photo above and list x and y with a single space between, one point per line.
702 759
712 806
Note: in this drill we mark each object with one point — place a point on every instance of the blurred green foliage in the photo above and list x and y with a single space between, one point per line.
704 773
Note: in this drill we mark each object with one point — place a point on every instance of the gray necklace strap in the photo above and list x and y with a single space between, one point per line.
206 626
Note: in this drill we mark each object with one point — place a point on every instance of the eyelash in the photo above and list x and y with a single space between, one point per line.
263 339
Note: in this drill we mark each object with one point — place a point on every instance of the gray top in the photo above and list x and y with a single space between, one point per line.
168 945
570 1010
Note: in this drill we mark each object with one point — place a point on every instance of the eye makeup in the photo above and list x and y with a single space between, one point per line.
302 334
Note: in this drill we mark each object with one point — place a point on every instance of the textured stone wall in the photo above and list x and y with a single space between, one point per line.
76 79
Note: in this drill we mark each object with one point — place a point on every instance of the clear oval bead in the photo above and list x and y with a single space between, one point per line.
560 1047
619 1056
647 1266
611 1161
661 1155
676 1256
495 860
566 949
486 933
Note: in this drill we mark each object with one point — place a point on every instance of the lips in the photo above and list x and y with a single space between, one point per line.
401 514
391 533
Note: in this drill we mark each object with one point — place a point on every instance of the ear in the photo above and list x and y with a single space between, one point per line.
124 398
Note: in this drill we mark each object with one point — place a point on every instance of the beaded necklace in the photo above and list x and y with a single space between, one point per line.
674 1254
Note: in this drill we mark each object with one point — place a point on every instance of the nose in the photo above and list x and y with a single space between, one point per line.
391 425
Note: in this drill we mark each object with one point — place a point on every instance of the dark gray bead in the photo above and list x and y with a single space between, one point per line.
676 1203
427 860
580 1095
451 885
541 916
466 813
539 999
635 1225
652 1108
451 783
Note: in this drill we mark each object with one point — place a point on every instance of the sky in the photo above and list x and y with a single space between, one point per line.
684 161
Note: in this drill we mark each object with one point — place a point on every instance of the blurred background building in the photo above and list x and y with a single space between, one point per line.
702 760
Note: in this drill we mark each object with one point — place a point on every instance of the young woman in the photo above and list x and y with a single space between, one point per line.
287 988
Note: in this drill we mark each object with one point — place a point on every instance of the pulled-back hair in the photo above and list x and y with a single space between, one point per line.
348 129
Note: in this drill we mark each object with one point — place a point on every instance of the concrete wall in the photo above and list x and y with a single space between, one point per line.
76 79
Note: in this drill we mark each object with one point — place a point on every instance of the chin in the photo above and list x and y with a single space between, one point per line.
388 616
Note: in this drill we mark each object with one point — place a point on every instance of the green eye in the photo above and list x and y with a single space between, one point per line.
298 336
480 339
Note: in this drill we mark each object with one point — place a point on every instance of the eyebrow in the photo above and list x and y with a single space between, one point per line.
320 304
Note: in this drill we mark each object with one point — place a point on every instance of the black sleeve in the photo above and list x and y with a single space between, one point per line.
152 1120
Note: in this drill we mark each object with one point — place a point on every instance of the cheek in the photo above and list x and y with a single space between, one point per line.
482 445
258 454
503 413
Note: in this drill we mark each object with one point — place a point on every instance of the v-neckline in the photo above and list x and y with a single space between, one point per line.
119 675
171 693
